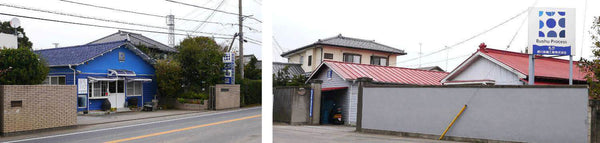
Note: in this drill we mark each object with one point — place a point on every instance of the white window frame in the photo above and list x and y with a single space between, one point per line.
133 89
49 80
102 96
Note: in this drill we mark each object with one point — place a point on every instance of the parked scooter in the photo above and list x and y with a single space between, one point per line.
336 115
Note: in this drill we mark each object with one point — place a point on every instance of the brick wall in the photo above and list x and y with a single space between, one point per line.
42 106
227 96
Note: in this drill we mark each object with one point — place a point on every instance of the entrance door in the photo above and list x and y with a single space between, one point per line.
116 94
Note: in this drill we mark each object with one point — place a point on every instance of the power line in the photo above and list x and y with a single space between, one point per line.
153 15
231 13
473 37
453 58
102 26
209 16
102 19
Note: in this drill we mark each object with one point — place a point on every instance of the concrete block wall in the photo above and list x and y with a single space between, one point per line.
502 113
43 106
227 96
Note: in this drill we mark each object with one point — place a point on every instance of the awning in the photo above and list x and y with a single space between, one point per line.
94 79
130 79
117 72
332 88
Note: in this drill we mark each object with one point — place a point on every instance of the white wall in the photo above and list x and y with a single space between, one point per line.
544 114
485 69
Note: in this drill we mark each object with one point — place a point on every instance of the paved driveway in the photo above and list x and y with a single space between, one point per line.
336 134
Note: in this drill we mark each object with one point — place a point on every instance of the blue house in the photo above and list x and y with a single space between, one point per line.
114 71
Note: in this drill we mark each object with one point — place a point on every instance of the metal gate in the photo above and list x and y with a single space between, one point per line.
211 98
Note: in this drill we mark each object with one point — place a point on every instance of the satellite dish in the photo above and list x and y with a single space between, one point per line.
15 22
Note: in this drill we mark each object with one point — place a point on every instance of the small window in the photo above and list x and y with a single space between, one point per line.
120 86
301 60
134 88
328 56
382 61
352 58
112 87
81 101
309 60
55 80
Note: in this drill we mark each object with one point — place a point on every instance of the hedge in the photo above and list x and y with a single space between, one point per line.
251 91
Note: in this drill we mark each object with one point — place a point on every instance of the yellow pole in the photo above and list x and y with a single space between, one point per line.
452 123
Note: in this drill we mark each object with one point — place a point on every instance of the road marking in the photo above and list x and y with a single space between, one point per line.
91 131
183 129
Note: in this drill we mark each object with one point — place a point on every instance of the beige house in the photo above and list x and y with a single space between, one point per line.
343 49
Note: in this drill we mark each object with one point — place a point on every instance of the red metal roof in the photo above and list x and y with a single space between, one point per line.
544 67
386 74
333 88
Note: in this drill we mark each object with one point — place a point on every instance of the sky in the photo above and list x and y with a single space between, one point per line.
433 23
44 33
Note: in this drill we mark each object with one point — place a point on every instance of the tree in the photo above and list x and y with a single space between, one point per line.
201 61
26 67
284 78
168 77
592 66
251 71
22 41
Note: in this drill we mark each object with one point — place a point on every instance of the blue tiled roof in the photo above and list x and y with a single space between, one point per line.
76 55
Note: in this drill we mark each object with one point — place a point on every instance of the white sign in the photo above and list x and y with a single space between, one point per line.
82 86
551 31
8 41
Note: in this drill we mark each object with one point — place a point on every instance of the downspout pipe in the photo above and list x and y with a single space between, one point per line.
452 123
74 72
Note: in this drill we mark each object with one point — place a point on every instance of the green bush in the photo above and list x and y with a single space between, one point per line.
21 67
251 92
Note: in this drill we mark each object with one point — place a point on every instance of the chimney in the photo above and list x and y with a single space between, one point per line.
482 47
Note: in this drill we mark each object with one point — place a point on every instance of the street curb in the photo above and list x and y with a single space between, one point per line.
83 125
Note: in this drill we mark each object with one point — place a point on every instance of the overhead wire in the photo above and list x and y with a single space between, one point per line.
102 19
209 16
114 27
470 38
221 11
153 15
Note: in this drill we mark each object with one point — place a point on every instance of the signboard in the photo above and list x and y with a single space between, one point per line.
8 41
329 74
82 86
551 31
229 69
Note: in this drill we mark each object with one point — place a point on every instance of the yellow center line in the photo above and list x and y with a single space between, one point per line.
183 129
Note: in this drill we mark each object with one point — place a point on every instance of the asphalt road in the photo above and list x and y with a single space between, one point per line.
232 126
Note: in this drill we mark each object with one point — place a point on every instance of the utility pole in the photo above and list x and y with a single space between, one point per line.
241 34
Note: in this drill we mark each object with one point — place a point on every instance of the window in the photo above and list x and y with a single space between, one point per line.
352 58
81 103
134 88
55 80
309 60
120 86
382 61
328 56
112 87
99 89
301 59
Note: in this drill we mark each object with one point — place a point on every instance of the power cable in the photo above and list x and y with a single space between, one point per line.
231 13
471 38
101 19
209 16
153 15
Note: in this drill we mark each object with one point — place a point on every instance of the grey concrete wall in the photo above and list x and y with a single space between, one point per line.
289 106
515 113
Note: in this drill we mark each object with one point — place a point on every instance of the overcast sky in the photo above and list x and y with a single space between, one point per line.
43 33
405 24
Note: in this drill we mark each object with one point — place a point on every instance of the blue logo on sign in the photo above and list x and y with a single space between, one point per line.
553 30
